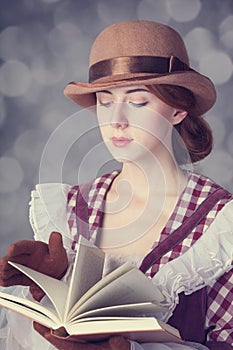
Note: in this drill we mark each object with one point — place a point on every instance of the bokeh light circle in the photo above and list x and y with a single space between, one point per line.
224 162
153 10
217 65
11 174
199 41
15 78
226 32
183 10
109 14
218 128
2 110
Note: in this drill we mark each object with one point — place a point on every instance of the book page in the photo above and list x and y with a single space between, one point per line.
143 329
132 310
55 290
100 285
31 309
87 271
131 287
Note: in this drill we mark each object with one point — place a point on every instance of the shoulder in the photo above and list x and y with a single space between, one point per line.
219 220
201 187
204 183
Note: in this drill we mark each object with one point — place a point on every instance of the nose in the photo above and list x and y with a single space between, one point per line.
119 116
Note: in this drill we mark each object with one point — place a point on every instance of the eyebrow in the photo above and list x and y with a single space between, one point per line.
127 92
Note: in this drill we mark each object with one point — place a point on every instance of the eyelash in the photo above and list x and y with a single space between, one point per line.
137 105
105 104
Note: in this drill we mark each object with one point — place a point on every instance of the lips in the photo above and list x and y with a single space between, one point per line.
120 141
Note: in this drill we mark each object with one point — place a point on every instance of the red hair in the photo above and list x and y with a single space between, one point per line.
194 130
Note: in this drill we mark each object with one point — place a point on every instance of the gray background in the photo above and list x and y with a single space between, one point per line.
43 45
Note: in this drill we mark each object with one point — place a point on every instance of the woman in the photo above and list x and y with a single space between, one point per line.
149 104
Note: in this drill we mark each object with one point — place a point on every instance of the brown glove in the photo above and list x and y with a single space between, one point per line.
50 259
114 343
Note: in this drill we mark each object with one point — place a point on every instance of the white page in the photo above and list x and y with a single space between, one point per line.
143 329
100 285
31 309
87 271
55 289
132 310
131 287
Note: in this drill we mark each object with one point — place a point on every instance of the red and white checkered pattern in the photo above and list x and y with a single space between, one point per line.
220 309
71 209
198 188
95 202
220 295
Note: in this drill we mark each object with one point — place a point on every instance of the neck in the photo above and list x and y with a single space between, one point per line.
152 175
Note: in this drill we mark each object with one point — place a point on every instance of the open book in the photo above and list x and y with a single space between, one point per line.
93 307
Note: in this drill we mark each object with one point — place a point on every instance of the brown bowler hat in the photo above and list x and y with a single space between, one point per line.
140 52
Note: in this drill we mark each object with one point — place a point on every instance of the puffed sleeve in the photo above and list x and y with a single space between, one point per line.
47 213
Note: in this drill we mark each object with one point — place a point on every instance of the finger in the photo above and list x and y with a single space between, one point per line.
7 270
26 247
42 330
6 273
55 245
58 343
119 343
36 292
20 259
4 266
64 344
18 279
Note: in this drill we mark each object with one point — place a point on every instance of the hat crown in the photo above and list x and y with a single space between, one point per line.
138 38
141 52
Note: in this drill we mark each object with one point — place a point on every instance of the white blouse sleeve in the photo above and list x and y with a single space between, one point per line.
48 213
202 264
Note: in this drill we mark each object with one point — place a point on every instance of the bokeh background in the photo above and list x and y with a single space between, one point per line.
44 44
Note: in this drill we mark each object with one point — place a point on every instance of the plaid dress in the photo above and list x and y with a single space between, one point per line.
219 314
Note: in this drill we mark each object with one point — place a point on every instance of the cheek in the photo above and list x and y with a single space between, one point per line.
103 119
152 125
104 130
103 116
163 109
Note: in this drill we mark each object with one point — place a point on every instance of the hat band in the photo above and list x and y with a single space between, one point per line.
136 64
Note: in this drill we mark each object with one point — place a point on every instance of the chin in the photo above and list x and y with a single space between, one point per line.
132 154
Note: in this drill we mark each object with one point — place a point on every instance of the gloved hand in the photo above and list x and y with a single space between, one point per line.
50 259
114 343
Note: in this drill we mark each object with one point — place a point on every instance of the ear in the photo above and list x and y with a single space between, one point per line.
178 116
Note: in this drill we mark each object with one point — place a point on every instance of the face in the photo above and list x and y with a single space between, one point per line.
134 122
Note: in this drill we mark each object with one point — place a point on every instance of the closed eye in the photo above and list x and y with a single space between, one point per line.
105 104
138 105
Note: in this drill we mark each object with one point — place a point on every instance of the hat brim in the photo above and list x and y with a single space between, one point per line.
203 89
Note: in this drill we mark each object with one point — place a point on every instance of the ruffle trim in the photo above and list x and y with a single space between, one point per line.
210 257
48 212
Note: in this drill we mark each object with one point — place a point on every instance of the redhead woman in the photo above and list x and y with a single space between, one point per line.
173 224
